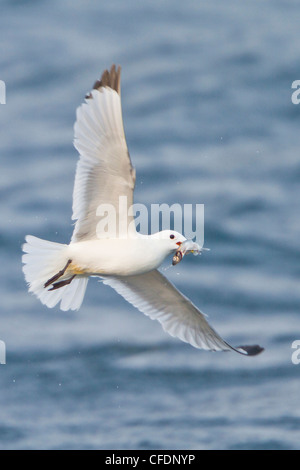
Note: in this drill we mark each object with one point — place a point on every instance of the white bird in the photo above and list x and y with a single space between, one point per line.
128 261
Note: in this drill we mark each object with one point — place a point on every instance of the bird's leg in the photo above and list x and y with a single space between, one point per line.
59 284
58 275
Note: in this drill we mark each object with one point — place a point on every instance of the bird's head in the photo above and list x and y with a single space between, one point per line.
171 239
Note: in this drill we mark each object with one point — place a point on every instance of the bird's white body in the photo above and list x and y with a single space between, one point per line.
118 257
58 273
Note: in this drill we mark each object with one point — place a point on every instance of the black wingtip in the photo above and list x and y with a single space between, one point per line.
251 350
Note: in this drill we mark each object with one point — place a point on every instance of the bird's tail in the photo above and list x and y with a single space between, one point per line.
43 261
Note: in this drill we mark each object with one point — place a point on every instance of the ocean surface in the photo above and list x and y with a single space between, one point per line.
206 91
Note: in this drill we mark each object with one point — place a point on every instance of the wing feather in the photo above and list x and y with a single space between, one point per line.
157 298
104 171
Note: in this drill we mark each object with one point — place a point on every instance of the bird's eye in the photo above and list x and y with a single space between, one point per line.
172 237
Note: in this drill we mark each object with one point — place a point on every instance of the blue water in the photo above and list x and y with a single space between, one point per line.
206 90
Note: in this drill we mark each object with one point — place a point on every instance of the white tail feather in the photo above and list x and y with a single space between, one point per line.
42 260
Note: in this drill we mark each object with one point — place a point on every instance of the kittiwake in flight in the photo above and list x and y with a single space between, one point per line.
128 261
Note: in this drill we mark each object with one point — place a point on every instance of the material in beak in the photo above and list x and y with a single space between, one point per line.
185 248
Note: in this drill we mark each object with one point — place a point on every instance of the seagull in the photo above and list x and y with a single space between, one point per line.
125 260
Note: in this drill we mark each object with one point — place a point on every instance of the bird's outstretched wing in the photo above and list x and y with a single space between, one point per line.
156 297
104 171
